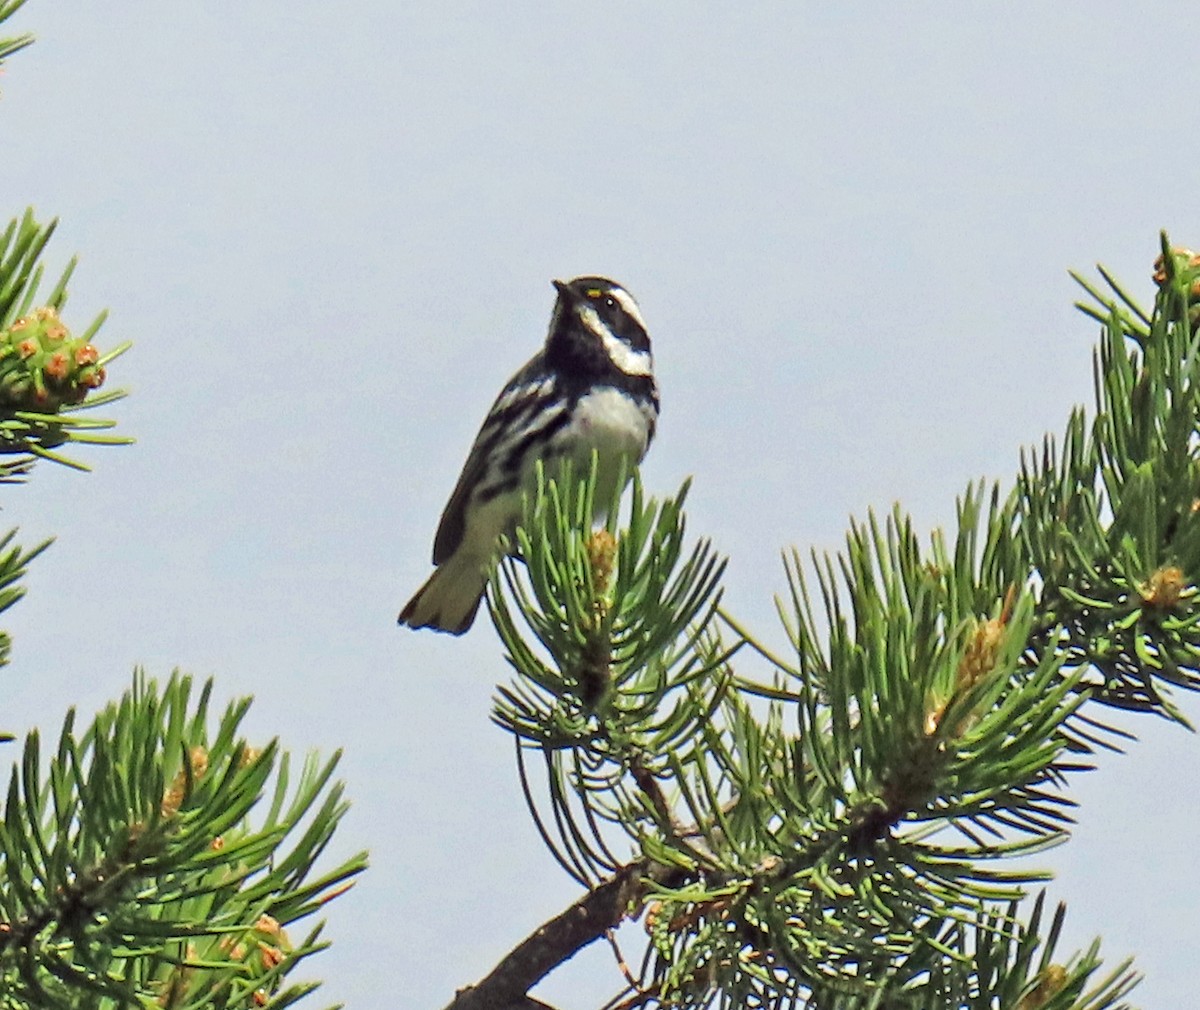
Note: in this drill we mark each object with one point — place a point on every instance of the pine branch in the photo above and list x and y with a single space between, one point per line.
133 869
832 832
141 869
587 920
48 376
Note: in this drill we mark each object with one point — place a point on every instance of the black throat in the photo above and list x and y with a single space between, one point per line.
579 361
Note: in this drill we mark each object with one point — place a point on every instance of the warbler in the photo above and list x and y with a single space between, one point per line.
590 389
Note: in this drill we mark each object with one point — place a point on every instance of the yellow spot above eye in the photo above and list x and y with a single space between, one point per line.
593 292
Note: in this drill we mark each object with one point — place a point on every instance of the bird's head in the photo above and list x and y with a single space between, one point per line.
598 324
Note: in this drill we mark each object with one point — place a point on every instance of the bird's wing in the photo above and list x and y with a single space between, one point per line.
519 393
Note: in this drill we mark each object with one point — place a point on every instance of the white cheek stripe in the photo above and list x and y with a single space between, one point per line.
628 360
625 300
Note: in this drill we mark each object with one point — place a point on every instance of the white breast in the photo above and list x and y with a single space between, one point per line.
615 426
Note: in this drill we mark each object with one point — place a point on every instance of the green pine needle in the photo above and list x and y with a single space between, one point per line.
27 434
845 830
135 864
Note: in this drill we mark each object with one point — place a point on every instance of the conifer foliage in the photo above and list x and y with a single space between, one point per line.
154 858
841 832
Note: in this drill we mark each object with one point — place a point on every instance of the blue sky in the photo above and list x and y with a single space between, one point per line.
330 231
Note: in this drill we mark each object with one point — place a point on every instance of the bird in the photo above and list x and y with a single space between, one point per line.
591 388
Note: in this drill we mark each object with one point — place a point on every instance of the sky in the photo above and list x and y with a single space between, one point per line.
330 231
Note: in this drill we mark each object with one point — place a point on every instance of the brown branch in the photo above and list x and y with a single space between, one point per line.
74 905
622 895
561 938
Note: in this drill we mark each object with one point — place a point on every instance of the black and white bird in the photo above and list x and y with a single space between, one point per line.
591 388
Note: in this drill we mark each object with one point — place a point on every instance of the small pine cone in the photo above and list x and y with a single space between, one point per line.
1184 259
42 366
262 948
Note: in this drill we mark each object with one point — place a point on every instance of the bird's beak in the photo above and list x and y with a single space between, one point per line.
563 290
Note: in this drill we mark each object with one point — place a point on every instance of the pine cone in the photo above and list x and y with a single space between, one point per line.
42 367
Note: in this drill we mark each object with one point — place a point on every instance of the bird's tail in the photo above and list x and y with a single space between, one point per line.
450 597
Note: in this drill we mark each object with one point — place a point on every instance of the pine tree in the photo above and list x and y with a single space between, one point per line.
838 833
154 858
841 832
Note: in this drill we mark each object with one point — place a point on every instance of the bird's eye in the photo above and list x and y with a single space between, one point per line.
610 302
